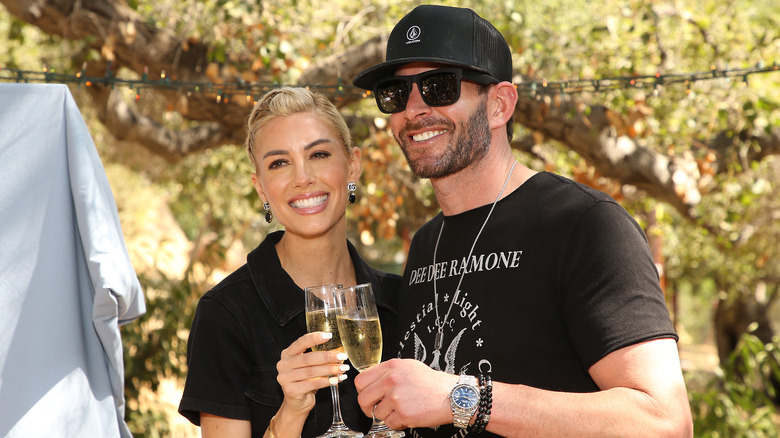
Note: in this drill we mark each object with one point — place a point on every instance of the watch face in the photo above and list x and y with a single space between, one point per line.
465 397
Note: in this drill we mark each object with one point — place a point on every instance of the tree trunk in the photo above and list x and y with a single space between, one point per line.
737 316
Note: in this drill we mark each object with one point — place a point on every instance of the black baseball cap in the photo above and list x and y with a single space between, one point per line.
443 34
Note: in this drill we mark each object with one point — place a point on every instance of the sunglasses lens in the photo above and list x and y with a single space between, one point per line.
440 89
391 96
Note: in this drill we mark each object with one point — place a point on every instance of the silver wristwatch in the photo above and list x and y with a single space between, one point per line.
464 400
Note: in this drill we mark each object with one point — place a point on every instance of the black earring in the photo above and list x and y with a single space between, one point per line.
351 187
268 215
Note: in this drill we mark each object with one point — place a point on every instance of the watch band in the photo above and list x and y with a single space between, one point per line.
464 400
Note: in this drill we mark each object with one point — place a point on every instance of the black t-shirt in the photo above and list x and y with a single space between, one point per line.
560 277
239 330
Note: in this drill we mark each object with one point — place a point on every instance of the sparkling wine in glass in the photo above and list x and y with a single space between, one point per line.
361 336
321 310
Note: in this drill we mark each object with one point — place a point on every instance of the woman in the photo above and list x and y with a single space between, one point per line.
247 351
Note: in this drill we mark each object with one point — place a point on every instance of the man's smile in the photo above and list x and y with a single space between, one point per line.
427 135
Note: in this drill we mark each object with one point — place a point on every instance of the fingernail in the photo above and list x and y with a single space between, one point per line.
342 377
342 356
327 335
333 380
344 367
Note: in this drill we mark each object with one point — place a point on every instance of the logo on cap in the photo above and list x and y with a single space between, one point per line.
413 35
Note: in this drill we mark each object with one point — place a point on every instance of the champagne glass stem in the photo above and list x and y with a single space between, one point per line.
337 426
380 430
378 426
338 422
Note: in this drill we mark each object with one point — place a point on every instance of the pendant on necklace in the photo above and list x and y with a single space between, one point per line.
437 344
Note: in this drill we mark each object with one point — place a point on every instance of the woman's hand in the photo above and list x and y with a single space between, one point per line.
302 373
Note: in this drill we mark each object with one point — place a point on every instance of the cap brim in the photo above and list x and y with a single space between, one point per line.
370 76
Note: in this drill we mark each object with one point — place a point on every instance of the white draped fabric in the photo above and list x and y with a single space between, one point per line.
66 282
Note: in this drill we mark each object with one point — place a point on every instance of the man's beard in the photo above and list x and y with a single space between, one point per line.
470 146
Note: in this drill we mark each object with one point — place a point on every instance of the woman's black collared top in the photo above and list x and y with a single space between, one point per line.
239 330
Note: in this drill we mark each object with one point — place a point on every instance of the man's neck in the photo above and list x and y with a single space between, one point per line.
479 184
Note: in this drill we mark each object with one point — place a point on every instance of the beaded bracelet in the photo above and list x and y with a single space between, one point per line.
485 404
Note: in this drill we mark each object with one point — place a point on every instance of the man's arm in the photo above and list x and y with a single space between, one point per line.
642 394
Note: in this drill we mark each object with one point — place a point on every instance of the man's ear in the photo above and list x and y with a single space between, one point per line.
504 99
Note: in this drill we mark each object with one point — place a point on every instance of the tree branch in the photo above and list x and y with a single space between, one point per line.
125 38
597 137
341 68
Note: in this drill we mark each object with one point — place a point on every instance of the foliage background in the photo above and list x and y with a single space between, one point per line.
188 222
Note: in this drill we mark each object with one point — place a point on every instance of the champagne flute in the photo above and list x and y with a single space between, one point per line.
321 316
361 336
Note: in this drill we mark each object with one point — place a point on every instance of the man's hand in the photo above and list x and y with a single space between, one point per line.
406 393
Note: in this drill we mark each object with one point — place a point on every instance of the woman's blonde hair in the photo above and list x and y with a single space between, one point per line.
286 101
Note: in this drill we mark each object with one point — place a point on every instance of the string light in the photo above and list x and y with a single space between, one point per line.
239 88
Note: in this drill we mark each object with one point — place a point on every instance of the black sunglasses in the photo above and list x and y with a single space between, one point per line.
440 87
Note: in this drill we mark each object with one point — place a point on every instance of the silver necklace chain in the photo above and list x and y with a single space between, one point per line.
441 323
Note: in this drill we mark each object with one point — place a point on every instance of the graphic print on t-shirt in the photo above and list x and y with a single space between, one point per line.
462 330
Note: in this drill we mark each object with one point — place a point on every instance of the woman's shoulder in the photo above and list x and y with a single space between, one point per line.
390 282
386 276
231 287
386 285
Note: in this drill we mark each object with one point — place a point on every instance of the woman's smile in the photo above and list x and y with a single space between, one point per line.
309 202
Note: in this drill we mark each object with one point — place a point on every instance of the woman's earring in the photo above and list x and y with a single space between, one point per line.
351 187
268 215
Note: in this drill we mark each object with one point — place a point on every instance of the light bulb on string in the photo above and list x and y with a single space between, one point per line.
689 88
659 80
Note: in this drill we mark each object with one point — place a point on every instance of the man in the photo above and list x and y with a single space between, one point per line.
540 285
